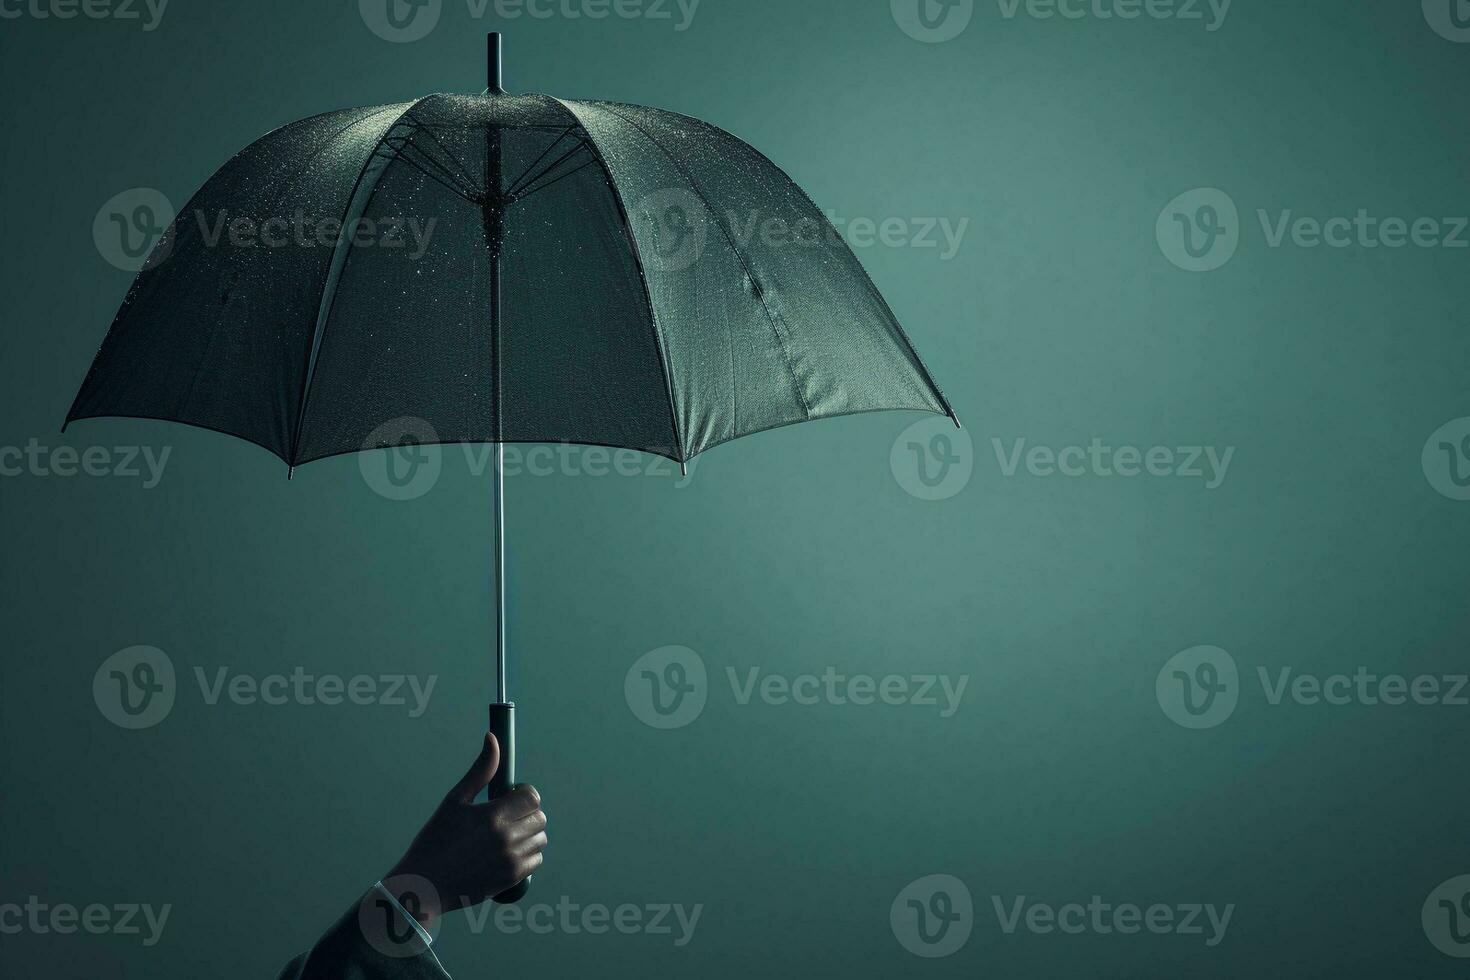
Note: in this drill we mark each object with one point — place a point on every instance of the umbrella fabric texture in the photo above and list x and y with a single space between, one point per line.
505 268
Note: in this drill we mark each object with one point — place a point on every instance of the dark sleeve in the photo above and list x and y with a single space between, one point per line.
372 941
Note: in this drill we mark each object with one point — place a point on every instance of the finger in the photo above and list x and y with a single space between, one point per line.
527 865
526 826
481 771
534 844
520 802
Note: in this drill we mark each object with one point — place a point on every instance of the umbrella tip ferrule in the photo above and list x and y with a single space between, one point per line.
955 419
495 64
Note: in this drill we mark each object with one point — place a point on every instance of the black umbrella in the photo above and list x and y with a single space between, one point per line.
501 269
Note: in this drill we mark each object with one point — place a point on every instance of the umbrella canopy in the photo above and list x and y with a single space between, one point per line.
501 268
505 268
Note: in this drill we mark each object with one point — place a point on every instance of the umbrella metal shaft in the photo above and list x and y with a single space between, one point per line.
499 493
495 240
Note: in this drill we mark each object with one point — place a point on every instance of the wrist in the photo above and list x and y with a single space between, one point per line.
416 896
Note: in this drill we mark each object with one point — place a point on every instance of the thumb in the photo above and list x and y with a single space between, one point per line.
480 772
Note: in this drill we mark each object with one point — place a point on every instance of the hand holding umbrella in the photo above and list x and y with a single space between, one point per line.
470 851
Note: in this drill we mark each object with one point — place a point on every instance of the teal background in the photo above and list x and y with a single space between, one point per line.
795 827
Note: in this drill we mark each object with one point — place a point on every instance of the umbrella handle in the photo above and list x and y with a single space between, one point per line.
503 727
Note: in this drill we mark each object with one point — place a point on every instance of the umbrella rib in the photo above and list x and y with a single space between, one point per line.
334 274
867 278
880 299
442 177
429 166
464 173
523 194
544 153
749 273
518 187
280 192
658 339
